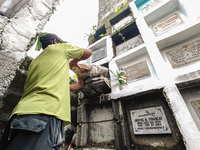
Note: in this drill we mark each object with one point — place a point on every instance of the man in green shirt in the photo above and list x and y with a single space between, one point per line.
37 121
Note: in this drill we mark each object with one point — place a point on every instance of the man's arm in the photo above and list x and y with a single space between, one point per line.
86 54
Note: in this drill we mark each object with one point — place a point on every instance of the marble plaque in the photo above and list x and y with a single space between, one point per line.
150 121
99 54
167 24
185 54
130 44
122 23
137 71
150 5
196 106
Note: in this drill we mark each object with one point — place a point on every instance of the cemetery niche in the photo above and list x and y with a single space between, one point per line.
167 24
141 3
149 121
137 71
123 27
129 44
184 54
149 5
99 54
102 51
100 32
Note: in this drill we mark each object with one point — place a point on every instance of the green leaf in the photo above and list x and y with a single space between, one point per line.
112 72
116 30
94 28
39 44
63 41
116 11
125 3
102 35
75 76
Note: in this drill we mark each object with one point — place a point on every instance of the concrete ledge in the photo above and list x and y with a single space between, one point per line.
96 86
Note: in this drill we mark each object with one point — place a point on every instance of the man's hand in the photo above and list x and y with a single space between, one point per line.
77 86
86 54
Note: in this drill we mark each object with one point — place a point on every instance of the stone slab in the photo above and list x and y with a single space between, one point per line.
150 5
185 54
122 23
167 24
81 114
100 113
150 121
137 71
101 132
128 45
196 106
99 54
84 134
96 86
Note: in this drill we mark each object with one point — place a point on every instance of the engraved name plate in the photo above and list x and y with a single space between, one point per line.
196 106
130 44
167 24
122 23
150 5
150 121
185 54
137 71
99 54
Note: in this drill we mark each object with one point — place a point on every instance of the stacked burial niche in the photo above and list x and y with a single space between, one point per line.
137 117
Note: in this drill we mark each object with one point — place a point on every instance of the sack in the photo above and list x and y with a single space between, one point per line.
89 70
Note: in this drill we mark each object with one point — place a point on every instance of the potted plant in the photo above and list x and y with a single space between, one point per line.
119 75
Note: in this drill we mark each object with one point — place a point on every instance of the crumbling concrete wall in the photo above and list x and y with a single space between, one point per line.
13 94
17 35
105 123
153 141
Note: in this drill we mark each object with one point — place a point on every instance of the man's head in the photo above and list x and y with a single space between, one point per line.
49 39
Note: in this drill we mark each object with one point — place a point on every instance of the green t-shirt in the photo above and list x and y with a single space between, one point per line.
46 90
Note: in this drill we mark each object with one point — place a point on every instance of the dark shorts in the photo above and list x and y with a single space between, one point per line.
33 132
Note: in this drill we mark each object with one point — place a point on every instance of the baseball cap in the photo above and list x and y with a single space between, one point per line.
49 36
43 37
